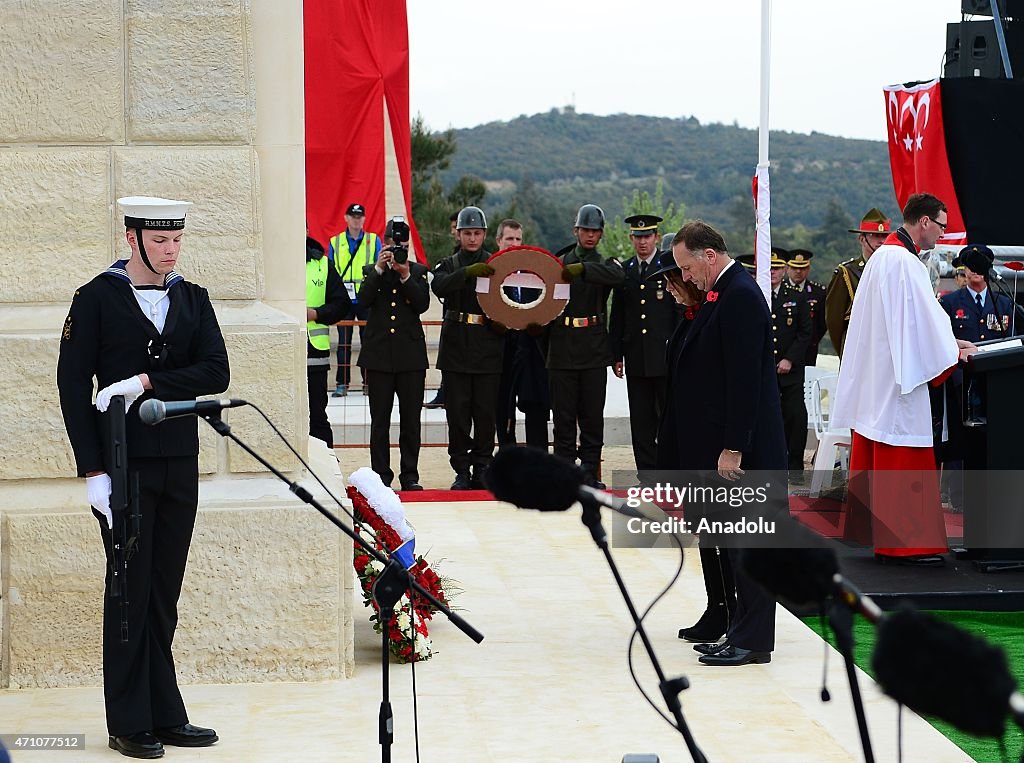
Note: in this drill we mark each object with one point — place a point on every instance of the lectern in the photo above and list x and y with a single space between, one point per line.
993 414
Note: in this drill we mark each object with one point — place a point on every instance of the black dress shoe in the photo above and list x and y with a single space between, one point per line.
412 486
710 648
186 735
734 655
477 482
140 745
917 560
462 482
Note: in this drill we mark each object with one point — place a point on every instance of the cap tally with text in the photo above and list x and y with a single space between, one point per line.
356 210
153 213
779 257
874 221
643 225
799 258
746 260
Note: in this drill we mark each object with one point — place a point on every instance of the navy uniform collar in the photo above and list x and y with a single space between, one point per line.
118 270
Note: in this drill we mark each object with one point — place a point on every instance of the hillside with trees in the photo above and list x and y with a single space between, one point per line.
540 168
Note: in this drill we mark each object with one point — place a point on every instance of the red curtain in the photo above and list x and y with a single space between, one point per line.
917 150
356 56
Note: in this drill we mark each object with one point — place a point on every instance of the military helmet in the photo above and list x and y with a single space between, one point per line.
471 217
590 216
666 242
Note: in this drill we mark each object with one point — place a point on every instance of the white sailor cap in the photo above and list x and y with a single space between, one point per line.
152 213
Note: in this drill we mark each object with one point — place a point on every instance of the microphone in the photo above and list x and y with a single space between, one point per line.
154 411
935 668
531 479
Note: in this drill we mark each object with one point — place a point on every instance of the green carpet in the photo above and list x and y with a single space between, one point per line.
1004 629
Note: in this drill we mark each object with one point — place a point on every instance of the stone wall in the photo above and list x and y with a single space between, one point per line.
198 100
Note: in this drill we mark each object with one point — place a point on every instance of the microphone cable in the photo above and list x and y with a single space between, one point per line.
636 632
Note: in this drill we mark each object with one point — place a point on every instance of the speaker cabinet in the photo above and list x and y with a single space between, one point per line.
972 50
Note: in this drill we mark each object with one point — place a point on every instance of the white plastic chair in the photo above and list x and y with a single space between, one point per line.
811 375
832 443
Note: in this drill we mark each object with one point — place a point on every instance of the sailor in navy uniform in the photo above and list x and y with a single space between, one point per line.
141 330
643 317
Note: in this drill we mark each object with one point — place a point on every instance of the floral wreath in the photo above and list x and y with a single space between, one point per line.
381 515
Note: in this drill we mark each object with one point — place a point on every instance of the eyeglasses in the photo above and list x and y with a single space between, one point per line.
941 225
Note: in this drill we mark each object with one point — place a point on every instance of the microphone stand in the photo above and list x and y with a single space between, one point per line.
387 590
670 688
840 617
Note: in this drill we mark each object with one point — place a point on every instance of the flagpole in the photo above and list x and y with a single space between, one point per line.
762 202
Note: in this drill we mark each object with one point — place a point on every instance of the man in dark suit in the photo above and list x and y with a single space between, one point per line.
141 331
726 416
394 357
470 354
578 353
791 333
643 317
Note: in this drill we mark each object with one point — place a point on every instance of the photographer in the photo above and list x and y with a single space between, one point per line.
395 294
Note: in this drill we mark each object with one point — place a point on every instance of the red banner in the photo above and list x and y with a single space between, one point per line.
917 150
356 60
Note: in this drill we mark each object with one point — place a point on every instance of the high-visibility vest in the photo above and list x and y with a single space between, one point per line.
316 296
364 255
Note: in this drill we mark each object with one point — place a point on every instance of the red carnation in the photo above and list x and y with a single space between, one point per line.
960 313
691 312
712 296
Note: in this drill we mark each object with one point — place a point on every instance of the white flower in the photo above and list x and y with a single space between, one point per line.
403 621
374 567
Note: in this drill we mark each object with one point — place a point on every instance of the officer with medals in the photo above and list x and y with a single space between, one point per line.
642 319
579 351
395 294
141 330
798 268
469 355
874 228
791 330
977 314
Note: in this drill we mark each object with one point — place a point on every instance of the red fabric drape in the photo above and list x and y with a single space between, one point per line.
356 56
917 150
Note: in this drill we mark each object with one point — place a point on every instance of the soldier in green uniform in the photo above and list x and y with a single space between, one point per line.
791 333
798 268
470 353
579 352
874 228
643 317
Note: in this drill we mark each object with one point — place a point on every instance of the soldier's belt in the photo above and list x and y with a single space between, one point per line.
582 323
478 320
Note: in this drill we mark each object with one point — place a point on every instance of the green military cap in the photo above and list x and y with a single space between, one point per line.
874 221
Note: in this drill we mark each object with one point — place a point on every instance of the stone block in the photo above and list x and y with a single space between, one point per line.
188 75
63 76
221 249
55 225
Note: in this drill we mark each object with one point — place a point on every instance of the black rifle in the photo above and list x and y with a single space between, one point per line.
124 506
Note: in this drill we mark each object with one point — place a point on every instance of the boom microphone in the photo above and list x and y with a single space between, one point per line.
154 411
936 668
531 479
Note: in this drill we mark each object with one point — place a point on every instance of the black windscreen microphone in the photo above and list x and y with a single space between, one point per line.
531 479
154 411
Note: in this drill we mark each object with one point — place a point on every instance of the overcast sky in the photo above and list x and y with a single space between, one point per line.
477 61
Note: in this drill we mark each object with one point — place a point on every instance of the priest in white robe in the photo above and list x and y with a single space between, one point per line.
899 342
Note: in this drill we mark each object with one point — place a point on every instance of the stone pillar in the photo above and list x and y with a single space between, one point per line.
199 100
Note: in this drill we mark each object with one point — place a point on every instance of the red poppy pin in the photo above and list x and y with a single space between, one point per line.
960 313
712 296
691 312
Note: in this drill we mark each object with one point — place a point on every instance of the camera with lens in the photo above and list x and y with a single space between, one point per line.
397 230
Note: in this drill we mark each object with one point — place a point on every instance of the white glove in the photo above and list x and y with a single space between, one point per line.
97 488
131 389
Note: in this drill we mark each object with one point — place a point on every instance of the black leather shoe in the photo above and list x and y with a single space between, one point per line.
477 482
186 735
140 745
462 482
733 655
412 486
710 648
921 560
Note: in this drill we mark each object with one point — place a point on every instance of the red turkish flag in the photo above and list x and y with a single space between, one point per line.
917 150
